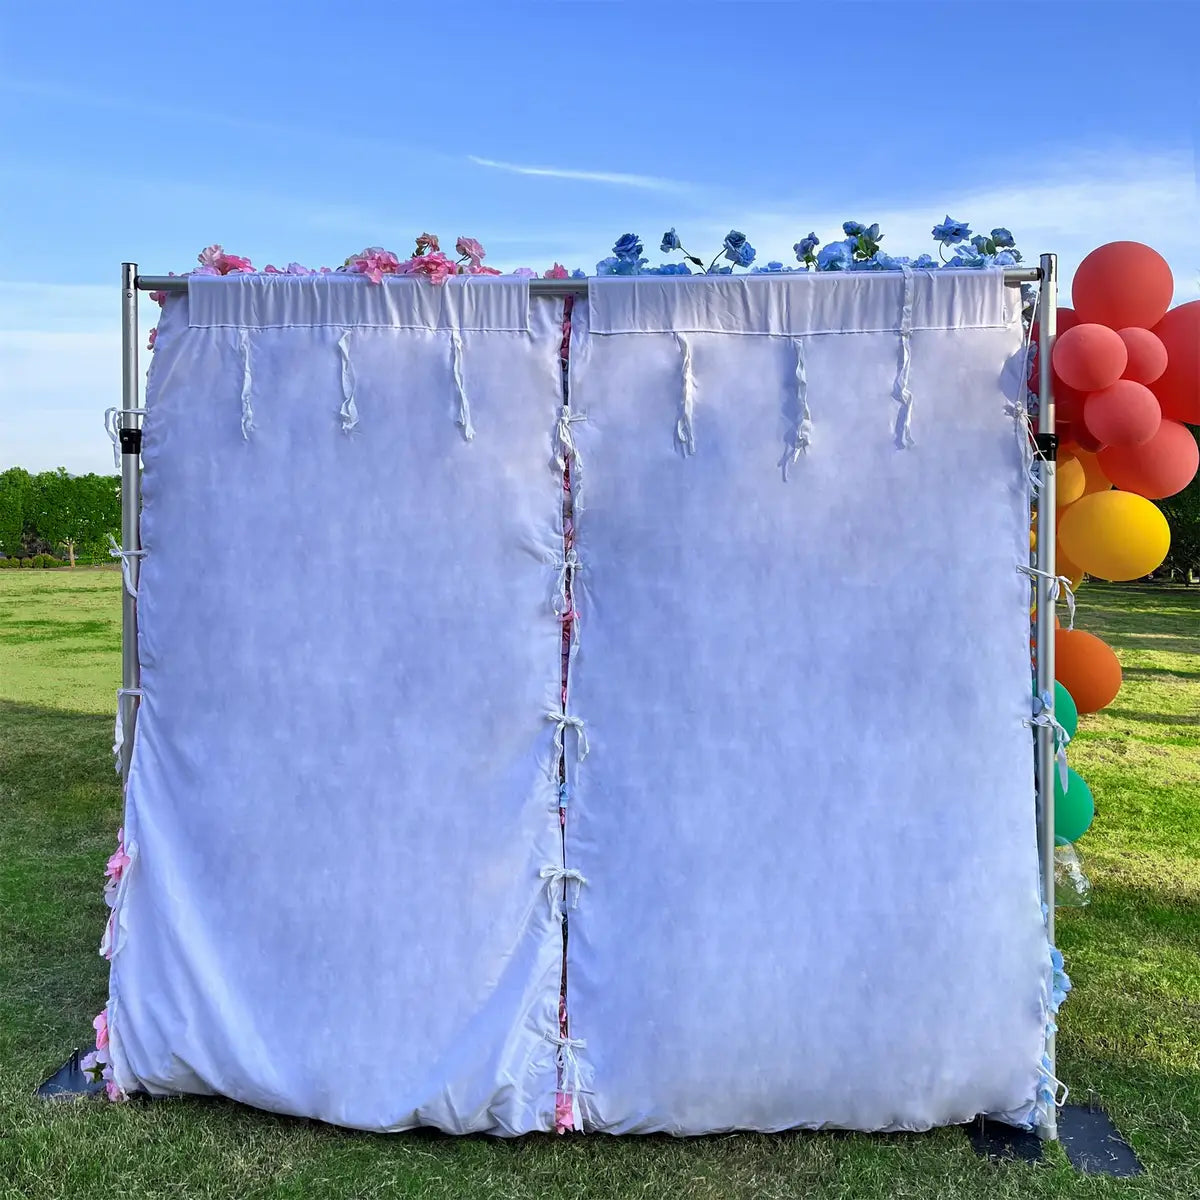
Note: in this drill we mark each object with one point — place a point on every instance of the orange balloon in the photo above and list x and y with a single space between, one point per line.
1064 566
1123 284
1178 387
1087 668
1164 465
1090 357
1147 355
1071 481
1123 414
1097 481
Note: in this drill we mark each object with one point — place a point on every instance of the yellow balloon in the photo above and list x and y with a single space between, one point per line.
1114 535
1072 481
1097 481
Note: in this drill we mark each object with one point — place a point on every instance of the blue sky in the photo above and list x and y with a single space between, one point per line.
546 130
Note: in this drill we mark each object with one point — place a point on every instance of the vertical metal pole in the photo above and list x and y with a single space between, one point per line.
131 500
1044 634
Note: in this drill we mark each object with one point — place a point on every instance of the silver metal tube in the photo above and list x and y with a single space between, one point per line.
540 287
131 501
1044 633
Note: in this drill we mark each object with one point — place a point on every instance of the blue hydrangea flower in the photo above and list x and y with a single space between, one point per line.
1004 259
951 231
668 269
579 273
719 271
1003 239
628 246
925 262
772 268
806 246
670 242
980 243
853 228
837 256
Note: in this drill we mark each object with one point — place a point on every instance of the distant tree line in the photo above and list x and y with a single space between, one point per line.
55 514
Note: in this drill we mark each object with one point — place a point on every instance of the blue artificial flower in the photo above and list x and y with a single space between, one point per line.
1003 239
579 273
925 262
837 256
1004 259
743 256
805 247
607 266
772 268
670 242
951 231
873 233
628 246
853 228
980 243
880 261
719 271
668 269
734 241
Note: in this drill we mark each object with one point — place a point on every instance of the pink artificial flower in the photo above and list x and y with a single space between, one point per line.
480 269
293 268
470 248
119 859
113 1091
374 262
558 271
214 261
159 298
151 340
436 267
428 242
564 1113
525 273
100 1025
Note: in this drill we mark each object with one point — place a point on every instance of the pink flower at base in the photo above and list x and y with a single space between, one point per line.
214 261
118 860
564 1113
436 267
428 243
470 248
100 1025
374 262
91 1063
558 271
112 1089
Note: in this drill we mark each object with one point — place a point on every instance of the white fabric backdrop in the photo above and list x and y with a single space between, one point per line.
807 817
341 792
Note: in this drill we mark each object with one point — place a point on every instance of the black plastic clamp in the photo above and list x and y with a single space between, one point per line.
1047 446
131 441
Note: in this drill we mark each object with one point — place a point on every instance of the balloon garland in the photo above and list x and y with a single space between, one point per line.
1126 370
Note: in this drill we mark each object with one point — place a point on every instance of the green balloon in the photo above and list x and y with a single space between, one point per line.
1073 807
1065 711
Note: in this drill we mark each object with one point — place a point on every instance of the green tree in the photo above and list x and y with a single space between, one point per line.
15 485
1183 515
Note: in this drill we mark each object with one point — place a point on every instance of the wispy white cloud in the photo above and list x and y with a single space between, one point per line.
648 183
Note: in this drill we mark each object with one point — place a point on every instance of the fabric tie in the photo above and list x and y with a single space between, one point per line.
112 426
561 876
1043 715
247 410
1058 585
564 440
119 728
570 1079
115 551
567 566
563 721
349 410
685 432
464 407
902 392
802 435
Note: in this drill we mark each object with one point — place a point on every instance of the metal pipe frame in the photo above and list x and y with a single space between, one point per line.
542 287
1046 274
1044 630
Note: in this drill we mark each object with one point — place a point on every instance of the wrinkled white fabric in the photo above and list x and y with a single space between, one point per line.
341 786
807 817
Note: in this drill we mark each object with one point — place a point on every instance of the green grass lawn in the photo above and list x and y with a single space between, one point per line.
1130 1031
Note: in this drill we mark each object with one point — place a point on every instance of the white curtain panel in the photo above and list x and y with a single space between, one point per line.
807 818
343 794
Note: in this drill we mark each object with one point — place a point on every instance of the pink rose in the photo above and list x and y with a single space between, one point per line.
469 248
214 261
153 336
91 1062
525 273
428 242
100 1025
119 859
113 1091
564 1113
558 271
374 262
436 267
479 269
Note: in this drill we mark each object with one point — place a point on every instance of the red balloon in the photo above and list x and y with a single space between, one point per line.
1178 388
1090 357
1082 438
1147 355
1164 465
1125 414
1066 319
1123 284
